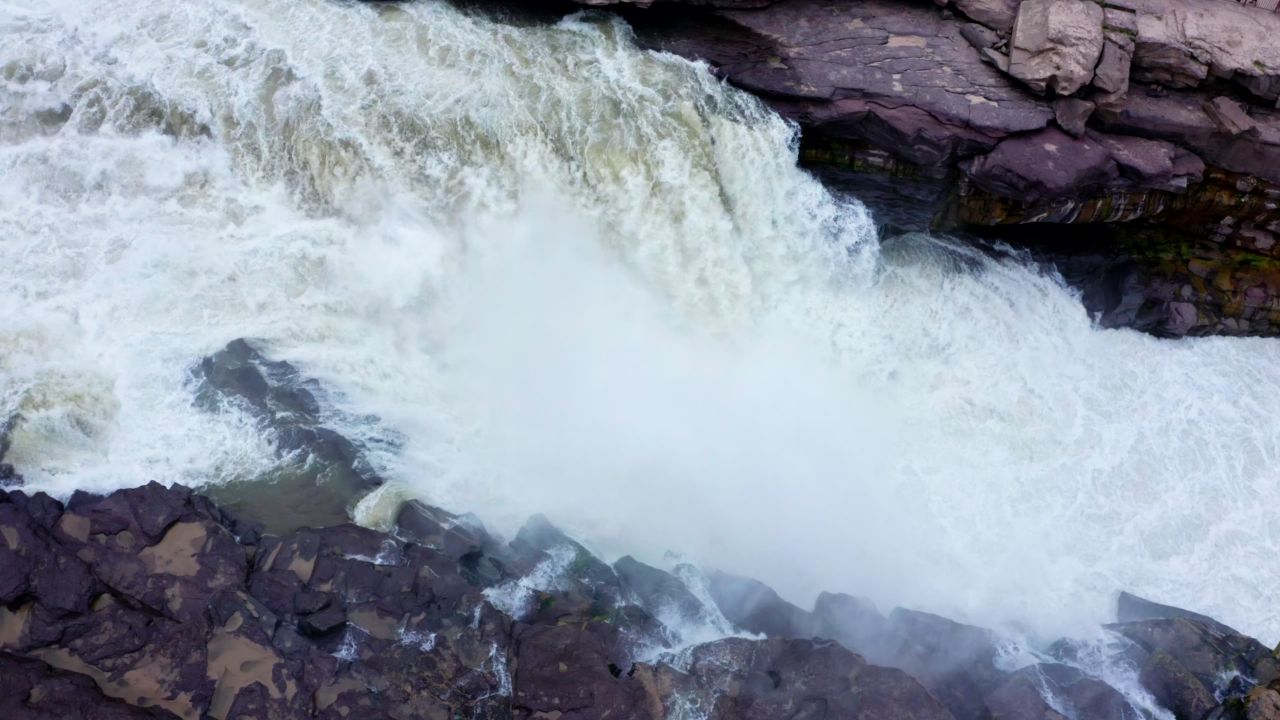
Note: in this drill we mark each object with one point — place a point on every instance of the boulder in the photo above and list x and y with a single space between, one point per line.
1111 76
755 607
1023 696
1259 704
1056 44
761 680
1072 114
1182 43
995 14
956 662
659 593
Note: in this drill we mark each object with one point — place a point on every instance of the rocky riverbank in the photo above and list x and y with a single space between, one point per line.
1135 143
158 602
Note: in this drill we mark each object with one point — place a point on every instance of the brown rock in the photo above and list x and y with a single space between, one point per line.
1260 704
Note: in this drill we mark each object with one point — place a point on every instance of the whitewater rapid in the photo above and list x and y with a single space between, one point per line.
587 280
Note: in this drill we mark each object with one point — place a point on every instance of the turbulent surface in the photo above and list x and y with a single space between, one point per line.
586 280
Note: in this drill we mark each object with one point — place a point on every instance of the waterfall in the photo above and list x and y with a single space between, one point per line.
588 280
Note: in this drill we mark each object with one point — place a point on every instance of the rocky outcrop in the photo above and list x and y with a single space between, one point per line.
1191 664
155 603
1056 44
326 472
1148 127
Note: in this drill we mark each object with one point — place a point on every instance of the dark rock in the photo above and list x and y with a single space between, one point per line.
165 617
956 662
34 690
1052 164
1022 696
323 622
658 592
1174 687
1131 608
1191 660
440 530
852 621
324 473
755 607
1260 704
753 680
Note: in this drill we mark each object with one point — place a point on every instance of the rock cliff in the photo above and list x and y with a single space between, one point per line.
1134 142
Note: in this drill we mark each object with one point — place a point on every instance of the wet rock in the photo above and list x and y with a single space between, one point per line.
852 621
441 530
573 670
755 607
1175 687
34 690
1259 704
1191 661
325 472
846 70
956 662
1023 696
1056 44
1132 608
758 680
658 592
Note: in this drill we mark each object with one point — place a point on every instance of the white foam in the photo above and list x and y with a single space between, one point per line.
589 281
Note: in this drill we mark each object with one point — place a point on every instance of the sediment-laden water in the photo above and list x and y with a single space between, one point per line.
587 280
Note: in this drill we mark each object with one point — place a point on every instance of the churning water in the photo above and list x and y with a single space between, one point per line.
588 280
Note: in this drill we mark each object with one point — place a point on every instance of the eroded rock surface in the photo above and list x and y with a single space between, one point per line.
154 603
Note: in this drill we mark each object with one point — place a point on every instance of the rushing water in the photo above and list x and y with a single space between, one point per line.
587 280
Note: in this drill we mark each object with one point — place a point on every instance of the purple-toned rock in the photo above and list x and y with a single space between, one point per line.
1023 696
898 75
1051 164
1072 114
762 680
34 690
